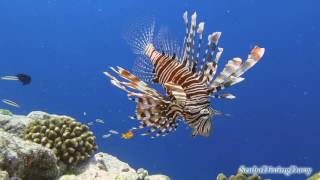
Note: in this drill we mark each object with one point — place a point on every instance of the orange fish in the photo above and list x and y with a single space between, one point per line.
127 135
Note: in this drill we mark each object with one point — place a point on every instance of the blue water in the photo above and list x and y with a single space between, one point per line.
66 45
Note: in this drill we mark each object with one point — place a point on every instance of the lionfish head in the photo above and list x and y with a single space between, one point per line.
201 122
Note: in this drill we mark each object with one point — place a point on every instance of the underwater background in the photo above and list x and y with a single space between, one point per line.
65 45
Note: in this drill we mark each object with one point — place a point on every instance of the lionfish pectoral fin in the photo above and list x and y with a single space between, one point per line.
177 92
231 74
133 86
231 67
232 80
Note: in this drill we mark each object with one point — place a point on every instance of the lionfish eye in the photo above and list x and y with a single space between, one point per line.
204 111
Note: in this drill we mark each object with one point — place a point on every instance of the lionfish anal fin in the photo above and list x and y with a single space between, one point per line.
157 115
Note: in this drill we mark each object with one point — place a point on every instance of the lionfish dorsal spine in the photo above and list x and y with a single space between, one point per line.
192 37
214 38
186 23
216 60
200 37
209 50
189 43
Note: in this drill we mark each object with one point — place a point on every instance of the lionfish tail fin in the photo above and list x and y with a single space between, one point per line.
234 69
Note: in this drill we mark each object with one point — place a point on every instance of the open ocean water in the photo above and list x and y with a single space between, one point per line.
65 45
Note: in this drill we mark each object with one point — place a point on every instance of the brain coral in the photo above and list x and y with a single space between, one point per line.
71 141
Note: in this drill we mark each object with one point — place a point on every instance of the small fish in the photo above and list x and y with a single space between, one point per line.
106 136
127 135
90 123
11 103
227 114
23 78
10 78
113 131
100 121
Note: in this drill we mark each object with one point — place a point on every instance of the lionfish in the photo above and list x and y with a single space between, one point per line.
188 80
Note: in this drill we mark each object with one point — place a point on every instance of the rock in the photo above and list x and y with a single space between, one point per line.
103 167
106 167
113 164
14 124
26 160
6 112
142 173
68 177
38 115
4 175
158 177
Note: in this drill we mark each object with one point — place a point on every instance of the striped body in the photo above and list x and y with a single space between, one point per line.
189 81
170 70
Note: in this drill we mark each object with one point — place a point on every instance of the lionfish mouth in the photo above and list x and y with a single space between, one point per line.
187 74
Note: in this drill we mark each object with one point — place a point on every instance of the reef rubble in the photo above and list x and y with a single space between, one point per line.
27 160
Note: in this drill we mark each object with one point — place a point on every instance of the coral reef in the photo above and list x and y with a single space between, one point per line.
71 141
24 159
238 176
